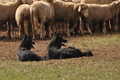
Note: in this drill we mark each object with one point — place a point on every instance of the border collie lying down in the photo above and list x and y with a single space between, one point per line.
56 52
24 53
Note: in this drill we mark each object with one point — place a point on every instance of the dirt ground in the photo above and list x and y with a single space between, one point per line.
101 50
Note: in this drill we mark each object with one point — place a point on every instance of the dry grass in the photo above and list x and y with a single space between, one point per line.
104 65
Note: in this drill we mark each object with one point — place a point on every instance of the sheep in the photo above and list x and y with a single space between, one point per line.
111 22
101 13
28 1
22 17
69 12
97 1
76 1
7 13
93 1
42 11
6 1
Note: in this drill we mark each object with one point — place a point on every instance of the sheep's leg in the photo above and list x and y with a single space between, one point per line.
19 24
81 28
64 26
88 28
8 30
34 22
29 28
35 26
112 21
57 27
42 27
33 32
48 29
20 31
68 29
73 27
104 27
26 29
12 29
77 29
116 23
53 27
109 25
81 25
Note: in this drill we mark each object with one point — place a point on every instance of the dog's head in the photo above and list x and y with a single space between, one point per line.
58 40
27 42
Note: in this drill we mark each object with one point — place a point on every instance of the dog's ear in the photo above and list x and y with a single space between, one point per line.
57 35
30 35
54 36
24 37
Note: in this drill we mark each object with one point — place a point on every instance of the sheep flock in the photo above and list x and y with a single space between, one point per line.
42 18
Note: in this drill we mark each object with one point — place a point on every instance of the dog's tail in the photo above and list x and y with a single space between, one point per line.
88 53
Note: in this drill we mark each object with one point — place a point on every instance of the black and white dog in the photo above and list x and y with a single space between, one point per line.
56 52
24 53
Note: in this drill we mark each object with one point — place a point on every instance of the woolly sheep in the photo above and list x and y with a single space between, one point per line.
7 13
28 1
42 11
22 17
101 13
97 1
69 12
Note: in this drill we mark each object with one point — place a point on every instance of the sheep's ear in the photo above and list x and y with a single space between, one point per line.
79 8
76 6
117 3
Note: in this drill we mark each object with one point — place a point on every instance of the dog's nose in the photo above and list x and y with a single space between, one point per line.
33 42
64 40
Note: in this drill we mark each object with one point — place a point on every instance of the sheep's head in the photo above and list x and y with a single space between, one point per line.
115 4
82 8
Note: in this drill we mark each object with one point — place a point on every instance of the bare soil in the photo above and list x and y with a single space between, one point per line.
101 45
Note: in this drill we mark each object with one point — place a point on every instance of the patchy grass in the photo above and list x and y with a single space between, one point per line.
104 65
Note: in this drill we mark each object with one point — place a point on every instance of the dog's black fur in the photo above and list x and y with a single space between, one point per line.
56 52
24 53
